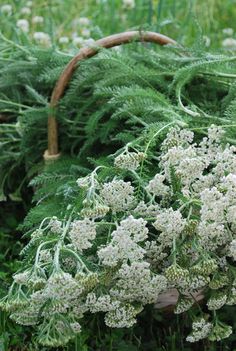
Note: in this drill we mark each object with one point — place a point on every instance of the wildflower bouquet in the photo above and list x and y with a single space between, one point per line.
156 219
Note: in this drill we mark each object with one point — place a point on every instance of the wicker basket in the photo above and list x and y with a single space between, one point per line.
52 152
168 299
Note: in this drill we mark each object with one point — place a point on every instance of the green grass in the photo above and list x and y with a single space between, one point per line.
183 20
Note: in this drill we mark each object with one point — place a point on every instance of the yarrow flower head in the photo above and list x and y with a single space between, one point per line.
217 301
157 186
125 243
118 195
129 160
201 329
82 233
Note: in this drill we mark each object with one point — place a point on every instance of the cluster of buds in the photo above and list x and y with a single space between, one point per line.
205 267
87 281
220 331
184 303
217 301
129 160
219 281
176 275
96 211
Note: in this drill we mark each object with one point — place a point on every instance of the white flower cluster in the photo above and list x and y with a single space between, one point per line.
82 233
124 244
59 295
118 315
201 329
82 32
129 160
122 317
229 43
170 224
55 225
146 210
137 283
42 38
216 302
23 25
118 195
157 187
103 303
184 304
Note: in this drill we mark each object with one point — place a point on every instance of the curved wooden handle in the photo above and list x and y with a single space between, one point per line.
58 91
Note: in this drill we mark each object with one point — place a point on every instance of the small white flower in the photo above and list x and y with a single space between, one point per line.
231 214
128 4
37 20
6 9
78 41
89 42
83 182
83 21
207 41
85 32
228 31
229 43
25 11
76 327
23 25
63 40
136 282
103 303
42 38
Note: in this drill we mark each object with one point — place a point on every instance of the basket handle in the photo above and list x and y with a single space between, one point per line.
52 152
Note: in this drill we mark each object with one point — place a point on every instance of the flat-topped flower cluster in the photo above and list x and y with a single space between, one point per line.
157 220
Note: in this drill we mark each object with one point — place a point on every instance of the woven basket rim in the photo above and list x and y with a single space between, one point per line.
85 53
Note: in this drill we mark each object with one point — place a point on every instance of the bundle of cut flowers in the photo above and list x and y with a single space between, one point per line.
153 219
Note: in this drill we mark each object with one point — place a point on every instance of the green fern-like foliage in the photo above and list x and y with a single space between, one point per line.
110 98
